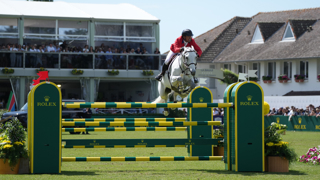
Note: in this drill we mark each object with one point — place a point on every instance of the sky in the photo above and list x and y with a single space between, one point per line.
202 15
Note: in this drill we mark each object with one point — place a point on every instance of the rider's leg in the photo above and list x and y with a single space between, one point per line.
165 65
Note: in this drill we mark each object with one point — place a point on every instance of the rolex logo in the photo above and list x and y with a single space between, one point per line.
46 98
278 120
201 99
189 140
300 119
249 98
142 140
94 141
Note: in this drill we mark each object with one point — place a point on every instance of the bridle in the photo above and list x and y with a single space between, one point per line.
185 62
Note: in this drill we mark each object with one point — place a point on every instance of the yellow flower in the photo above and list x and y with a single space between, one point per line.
270 144
7 141
18 143
1 139
7 146
23 142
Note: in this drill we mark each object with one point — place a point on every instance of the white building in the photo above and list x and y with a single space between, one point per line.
274 43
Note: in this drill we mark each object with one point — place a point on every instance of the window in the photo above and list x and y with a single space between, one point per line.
288 35
272 69
108 29
241 69
304 68
39 27
227 66
256 66
257 37
212 66
287 69
9 31
212 83
140 32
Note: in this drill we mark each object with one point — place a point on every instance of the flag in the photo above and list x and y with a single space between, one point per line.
242 76
11 102
43 75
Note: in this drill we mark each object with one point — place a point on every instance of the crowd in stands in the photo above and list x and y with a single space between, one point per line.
64 47
310 110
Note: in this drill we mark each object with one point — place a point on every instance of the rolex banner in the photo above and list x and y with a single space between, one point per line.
296 123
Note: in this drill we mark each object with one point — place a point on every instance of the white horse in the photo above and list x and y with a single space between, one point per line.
179 79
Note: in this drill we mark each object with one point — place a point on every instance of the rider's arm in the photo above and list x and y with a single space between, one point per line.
176 46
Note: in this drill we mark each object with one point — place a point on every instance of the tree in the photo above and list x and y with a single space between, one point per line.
229 77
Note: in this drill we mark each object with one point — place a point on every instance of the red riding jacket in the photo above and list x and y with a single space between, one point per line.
179 43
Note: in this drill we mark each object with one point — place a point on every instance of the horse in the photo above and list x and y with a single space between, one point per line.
179 79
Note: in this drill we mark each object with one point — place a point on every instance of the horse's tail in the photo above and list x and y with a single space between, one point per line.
158 100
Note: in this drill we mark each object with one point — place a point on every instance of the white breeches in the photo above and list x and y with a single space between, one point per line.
169 56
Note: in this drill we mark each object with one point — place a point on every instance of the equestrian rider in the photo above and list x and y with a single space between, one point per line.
185 40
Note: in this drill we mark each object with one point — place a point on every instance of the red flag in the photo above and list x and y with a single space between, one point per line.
43 75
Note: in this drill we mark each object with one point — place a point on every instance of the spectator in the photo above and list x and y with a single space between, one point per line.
91 50
86 49
57 48
157 51
215 112
86 114
138 51
284 112
109 59
51 48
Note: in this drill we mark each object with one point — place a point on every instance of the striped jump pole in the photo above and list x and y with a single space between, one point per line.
146 105
121 146
125 129
132 124
123 119
164 158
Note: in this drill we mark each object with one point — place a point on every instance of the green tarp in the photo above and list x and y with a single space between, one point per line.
297 123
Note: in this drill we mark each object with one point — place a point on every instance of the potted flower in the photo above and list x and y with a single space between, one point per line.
267 79
76 71
277 152
299 77
312 156
147 72
41 69
7 71
283 78
318 77
218 133
255 79
113 72
12 146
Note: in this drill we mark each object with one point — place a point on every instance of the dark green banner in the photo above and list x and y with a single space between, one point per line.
297 123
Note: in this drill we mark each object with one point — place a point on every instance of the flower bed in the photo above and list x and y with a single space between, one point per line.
312 156
7 71
76 72
299 78
267 79
255 79
113 72
12 146
147 72
283 78
41 69
278 152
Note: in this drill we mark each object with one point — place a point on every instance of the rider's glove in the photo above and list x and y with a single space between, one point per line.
181 49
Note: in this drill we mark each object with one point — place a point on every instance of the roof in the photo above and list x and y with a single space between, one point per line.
269 28
303 93
214 41
306 45
60 9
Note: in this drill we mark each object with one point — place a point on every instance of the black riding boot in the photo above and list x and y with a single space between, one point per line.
164 69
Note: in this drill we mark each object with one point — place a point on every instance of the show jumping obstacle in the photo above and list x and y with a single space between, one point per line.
243 120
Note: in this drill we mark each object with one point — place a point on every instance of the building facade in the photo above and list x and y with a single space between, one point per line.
273 43
58 36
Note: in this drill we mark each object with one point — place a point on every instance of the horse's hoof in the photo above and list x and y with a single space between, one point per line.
165 113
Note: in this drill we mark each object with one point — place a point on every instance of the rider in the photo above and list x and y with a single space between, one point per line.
185 40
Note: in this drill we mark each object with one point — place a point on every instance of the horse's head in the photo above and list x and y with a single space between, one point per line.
189 57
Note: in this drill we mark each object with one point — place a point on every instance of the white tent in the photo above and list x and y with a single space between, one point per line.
60 9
